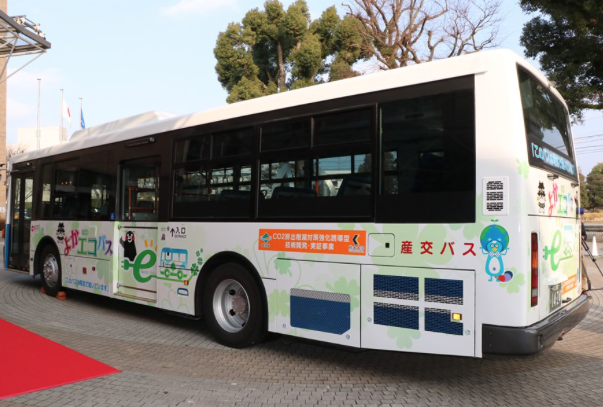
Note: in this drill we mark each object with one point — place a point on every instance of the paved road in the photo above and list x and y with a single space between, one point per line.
171 361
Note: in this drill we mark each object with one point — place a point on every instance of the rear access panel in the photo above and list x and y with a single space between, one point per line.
418 310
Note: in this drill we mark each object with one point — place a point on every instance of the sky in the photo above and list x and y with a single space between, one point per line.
128 57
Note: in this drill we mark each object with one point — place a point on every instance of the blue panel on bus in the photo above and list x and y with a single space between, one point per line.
320 311
402 288
439 320
401 316
444 291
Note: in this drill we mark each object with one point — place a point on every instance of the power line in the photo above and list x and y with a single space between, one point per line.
588 152
588 141
591 136
588 147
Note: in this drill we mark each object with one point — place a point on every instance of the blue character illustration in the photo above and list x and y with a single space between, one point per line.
495 243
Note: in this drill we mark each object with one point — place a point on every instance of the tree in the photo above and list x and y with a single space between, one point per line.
594 187
567 38
14 149
398 33
583 191
274 50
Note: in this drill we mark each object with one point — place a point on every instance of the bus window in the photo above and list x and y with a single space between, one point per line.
65 191
193 149
213 185
96 187
232 143
286 135
428 157
342 128
140 192
547 127
332 178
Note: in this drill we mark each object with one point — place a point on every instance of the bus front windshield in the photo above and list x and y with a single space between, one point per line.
547 127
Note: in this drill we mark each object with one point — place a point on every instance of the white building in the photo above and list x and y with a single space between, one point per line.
49 136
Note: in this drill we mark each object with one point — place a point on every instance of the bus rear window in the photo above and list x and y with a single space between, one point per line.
547 127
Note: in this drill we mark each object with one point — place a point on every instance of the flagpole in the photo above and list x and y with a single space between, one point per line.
81 113
39 92
61 126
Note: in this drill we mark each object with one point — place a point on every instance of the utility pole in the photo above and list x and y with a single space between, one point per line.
39 93
61 125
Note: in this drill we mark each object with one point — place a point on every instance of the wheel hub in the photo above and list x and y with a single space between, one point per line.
50 271
231 306
239 304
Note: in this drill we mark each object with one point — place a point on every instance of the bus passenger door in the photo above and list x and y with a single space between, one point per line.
20 218
138 258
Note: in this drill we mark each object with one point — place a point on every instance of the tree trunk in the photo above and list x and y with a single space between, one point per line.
282 78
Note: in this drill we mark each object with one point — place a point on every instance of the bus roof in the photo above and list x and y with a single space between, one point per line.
415 74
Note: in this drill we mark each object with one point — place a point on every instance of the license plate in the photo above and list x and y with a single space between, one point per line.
555 296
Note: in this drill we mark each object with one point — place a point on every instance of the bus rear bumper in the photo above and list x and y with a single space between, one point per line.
534 339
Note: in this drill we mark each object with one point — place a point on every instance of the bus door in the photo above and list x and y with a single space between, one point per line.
139 206
20 220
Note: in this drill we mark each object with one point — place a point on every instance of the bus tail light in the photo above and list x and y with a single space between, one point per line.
534 285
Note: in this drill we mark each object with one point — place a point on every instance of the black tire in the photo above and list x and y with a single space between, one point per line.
234 307
50 270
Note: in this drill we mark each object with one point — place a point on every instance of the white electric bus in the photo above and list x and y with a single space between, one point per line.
426 209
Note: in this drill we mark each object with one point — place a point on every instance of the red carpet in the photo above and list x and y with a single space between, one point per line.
29 362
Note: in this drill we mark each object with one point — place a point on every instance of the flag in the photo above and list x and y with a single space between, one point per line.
66 114
82 122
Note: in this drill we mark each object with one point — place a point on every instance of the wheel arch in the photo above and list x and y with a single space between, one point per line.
45 241
219 259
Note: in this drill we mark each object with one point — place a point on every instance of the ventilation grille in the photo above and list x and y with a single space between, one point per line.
444 291
439 320
401 316
496 192
320 311
401 288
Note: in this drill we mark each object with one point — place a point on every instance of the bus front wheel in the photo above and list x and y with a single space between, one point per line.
50 270
233 306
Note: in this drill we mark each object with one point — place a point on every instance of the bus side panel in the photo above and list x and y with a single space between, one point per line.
552 205
558 241
502 274
86 250
418 310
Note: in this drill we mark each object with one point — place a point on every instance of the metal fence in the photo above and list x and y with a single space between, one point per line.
594 230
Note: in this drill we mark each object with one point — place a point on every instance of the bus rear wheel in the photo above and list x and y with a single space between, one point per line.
233 306
50 270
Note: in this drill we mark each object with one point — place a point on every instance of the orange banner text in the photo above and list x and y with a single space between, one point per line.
351 242
569 284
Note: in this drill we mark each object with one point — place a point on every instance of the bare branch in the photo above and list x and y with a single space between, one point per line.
15 149
401 32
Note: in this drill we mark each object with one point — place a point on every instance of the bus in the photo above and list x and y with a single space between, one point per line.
430 209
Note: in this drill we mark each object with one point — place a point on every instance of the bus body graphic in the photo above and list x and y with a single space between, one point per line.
176 257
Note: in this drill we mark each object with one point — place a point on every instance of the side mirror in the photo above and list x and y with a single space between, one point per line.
581 211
